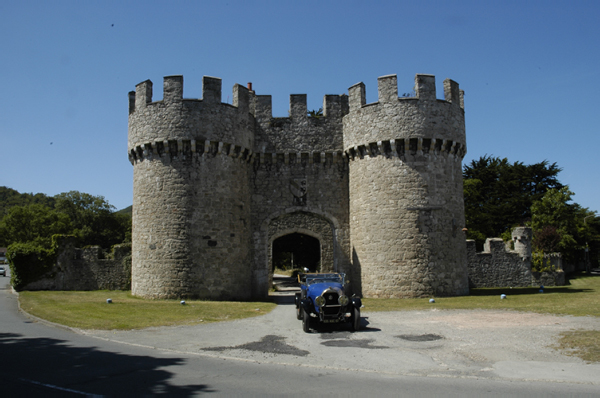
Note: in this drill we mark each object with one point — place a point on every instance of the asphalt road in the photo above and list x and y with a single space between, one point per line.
266 356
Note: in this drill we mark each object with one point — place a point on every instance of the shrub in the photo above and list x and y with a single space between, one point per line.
28 262
539 263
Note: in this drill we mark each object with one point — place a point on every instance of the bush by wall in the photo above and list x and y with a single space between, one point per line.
30 261
65 267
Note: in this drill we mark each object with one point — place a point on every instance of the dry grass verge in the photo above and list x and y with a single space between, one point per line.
584 344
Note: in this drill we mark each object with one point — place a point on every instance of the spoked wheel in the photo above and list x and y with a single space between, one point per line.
305 320
355 319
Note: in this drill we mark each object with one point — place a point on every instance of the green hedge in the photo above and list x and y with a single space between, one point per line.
30 261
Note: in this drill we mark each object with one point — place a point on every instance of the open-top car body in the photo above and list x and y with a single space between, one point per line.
322 299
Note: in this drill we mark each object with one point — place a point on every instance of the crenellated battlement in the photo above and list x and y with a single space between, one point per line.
173 93
333 106
424 123
425 89
261 107
176 118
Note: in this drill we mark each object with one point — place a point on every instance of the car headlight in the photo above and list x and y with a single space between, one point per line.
320 300
343 300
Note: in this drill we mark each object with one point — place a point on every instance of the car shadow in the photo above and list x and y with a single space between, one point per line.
325 328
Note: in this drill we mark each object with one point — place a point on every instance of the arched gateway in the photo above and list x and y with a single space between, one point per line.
294 221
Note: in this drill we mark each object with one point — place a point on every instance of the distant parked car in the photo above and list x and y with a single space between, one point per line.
2 271
322 300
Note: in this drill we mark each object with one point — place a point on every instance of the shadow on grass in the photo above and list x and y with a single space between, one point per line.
52 367
582 275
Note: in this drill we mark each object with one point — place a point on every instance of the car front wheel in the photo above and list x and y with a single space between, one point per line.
305 320
298 307
355 319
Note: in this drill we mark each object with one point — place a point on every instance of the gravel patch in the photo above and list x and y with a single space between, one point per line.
444 343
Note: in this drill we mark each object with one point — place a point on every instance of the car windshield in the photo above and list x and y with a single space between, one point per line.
312 279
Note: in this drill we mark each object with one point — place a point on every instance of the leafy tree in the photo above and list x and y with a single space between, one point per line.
559 225
546 239
32 223
10 197
93 219
498 195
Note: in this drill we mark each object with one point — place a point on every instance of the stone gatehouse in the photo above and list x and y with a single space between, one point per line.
379 186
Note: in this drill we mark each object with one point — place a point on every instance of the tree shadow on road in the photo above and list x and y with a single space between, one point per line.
52 367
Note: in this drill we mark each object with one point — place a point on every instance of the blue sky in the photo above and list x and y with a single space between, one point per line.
530 71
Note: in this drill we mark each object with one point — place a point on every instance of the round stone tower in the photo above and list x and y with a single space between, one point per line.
406 190
191 192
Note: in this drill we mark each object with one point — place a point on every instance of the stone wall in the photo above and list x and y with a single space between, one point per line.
497 266
88 269
500 266
192 227
555 278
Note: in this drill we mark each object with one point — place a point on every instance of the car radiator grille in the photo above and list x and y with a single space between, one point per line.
332 307
331 311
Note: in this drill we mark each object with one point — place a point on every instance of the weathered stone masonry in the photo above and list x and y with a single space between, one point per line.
379 185
90 268
500 266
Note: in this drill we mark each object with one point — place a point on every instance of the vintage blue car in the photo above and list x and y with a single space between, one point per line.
322 300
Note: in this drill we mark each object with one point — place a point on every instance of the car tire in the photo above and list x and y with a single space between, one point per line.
355 319
305 321
298 307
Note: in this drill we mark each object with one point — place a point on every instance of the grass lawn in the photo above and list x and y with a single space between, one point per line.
580 298
89 310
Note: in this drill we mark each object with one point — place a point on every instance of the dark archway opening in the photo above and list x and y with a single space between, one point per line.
296 251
